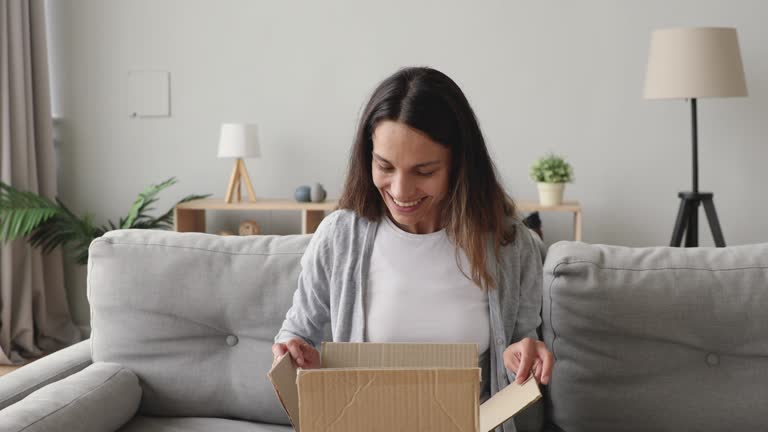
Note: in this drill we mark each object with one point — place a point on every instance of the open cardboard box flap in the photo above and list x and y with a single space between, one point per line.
408 361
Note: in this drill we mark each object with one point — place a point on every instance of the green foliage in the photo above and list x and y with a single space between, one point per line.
21 212
551 169
49 224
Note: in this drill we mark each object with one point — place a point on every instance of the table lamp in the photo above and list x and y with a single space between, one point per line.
692 63
239 140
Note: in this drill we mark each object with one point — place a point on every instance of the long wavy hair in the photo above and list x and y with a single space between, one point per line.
476 205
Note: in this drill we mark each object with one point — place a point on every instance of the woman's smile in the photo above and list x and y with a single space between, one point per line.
406 206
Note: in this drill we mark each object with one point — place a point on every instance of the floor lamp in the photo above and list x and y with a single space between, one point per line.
693 63
238 141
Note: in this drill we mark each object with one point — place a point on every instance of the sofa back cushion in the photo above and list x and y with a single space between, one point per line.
194 316
657 338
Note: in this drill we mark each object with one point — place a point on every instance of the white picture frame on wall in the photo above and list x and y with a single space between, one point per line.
149 93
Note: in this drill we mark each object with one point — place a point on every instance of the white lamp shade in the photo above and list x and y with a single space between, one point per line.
686 63
239 140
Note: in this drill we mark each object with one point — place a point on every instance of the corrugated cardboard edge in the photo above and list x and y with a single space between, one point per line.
403 355
507 403
283 378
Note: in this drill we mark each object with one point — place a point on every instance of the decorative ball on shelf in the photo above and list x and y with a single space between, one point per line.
318 193
249 227
226 233
302 194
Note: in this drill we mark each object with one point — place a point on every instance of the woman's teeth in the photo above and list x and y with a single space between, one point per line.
407 203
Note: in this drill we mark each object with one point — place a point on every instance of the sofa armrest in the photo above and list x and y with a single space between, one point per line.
16 385
100 398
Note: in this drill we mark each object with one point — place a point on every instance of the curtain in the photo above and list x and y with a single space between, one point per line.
34 314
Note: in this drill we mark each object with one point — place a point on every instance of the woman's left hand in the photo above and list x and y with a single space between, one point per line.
529 355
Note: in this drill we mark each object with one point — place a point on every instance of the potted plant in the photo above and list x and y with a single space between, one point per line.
49 224
551 173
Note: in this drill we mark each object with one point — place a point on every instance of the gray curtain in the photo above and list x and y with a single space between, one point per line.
34 315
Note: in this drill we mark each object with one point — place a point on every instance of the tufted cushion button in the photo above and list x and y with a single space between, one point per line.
231 340
713 359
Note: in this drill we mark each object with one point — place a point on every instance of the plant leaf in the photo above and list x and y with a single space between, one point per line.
165 221
21 212
145 198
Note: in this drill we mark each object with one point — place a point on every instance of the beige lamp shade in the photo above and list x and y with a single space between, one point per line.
239 140
687 63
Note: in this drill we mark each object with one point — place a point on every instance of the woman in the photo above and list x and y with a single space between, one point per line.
426 246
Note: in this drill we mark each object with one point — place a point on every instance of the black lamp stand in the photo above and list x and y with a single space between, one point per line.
688 215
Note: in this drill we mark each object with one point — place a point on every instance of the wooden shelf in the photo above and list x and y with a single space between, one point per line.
262 204
190 216
567 206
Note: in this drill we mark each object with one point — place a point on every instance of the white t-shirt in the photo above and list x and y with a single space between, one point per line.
416 292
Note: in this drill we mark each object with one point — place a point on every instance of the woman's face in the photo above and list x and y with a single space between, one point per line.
411 172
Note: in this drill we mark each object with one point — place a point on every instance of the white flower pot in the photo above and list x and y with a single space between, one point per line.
551 194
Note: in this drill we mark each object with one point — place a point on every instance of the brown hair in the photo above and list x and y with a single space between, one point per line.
476 205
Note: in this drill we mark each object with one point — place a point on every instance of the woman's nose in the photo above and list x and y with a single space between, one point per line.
401 187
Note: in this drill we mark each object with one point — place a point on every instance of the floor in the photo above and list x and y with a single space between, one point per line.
6 369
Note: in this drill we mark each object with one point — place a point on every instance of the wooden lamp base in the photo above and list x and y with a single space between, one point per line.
239 174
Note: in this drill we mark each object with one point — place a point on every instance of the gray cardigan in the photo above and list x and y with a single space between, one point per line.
334 273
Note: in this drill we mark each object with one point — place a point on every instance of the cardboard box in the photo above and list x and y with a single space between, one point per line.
394 387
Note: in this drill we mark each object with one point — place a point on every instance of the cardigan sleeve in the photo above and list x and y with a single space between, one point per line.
531 289
310 311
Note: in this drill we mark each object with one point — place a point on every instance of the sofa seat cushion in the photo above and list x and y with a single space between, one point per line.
198 424
657 338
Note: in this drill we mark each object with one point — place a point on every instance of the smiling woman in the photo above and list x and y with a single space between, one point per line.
426 246
416 117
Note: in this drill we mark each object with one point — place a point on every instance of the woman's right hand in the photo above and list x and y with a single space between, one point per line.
304 354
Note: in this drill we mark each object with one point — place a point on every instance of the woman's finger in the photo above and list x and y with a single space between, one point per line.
294 347
278 350
536 369
515 360
526 361
310 354
547 364
514 363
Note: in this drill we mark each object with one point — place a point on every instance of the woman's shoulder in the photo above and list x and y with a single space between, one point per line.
343 224
340 237
348 218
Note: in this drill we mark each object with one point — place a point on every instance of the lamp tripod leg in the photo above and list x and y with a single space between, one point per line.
692 231
248 185
680 224
714 223
234 178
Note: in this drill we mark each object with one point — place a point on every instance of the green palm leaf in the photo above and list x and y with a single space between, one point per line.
165 221
147 197
64 229
51 224
22 212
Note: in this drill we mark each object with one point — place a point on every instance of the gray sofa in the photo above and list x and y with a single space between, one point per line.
182 327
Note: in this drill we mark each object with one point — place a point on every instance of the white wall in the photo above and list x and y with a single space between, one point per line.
542 76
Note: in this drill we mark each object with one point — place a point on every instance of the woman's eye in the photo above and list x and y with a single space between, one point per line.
385 168
425 174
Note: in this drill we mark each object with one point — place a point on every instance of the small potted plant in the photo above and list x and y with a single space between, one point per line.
551 173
